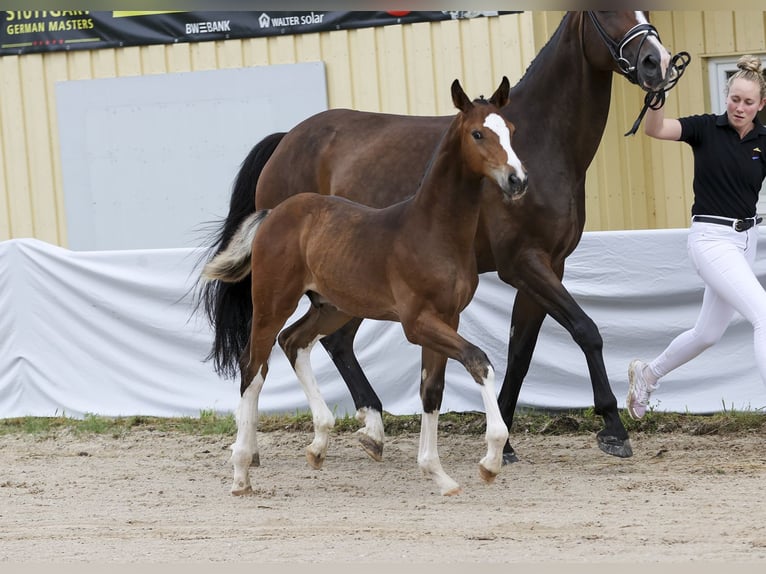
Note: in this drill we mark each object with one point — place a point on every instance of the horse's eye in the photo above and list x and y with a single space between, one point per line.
477 135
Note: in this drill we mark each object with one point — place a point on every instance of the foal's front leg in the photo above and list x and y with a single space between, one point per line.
442 337
431 393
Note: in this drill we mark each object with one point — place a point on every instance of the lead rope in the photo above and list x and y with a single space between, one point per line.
656 99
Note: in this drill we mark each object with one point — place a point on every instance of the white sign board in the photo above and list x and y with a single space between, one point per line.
147 161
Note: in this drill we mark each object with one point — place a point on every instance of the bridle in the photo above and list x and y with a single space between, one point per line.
644 31
653 99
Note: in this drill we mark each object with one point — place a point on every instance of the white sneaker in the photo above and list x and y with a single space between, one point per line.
639 390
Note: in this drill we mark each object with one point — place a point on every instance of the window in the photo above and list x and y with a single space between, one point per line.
719 72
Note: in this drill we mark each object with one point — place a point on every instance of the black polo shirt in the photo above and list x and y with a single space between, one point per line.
728 172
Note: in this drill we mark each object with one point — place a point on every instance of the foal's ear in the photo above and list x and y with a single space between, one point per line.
461 101
502 94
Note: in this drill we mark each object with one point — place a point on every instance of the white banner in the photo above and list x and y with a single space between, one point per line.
112 333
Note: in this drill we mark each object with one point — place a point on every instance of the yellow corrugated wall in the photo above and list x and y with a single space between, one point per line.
640 183
633 183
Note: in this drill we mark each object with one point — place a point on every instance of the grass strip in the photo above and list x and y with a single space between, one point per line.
541 422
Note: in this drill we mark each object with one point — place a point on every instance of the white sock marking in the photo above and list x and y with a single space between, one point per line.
321 413
497 432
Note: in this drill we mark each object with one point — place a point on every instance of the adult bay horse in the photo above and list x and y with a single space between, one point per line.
412 262
560 107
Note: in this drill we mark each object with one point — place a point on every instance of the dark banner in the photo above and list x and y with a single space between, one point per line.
27 31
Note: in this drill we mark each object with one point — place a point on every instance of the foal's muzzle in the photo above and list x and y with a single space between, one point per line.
516 186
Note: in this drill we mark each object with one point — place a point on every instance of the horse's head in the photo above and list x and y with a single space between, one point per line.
486 139
627 43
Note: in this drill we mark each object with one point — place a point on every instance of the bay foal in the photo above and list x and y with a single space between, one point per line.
412 262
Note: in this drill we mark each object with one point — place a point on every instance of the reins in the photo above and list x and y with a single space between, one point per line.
656 99
653 99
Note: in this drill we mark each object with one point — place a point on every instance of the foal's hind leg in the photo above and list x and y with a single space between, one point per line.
254 367
245 448
244 451
297 341
340 346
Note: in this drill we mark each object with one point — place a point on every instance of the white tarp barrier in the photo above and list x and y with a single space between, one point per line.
111 333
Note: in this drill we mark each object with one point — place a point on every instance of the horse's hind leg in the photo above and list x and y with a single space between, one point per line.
431 393
340 346
296 341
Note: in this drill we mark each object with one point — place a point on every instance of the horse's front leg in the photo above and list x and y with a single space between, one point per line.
526 320
340 346
545 287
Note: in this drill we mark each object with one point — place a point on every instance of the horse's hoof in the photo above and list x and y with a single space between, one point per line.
510 457
242 491
256 460
615 446
314 460
373 448
453 491
487 475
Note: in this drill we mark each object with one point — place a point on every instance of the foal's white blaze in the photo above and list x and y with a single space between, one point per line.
497 124
321 413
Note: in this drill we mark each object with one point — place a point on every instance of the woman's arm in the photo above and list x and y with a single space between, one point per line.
656 125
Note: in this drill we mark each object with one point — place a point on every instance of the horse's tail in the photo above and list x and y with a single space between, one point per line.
228 306
233 263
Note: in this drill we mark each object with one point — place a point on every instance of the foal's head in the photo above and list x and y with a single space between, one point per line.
486 139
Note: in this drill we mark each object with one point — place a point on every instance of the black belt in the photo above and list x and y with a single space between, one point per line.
736 224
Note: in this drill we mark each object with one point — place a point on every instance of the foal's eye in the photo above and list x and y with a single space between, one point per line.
477 135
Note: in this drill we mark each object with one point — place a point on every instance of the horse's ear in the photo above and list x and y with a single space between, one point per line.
461 101
502 94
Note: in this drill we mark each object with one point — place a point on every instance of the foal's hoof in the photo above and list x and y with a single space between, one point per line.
256 460
487 475
372 447
242 490
314 460
452 491
615 446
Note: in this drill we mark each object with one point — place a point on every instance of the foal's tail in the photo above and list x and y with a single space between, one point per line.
233 263
228 306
